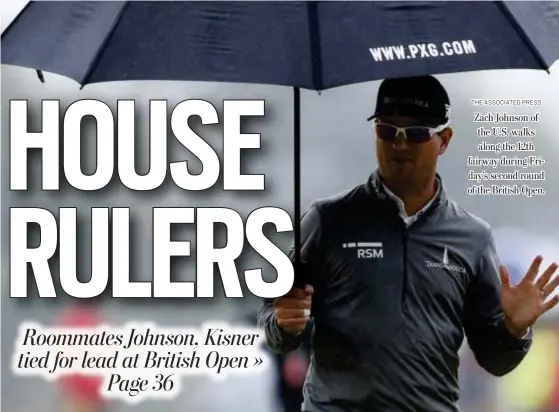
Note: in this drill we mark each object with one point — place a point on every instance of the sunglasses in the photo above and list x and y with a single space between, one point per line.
413 134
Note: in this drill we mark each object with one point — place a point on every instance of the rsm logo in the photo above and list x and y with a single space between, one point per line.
366 250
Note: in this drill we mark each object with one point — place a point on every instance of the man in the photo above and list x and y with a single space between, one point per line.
292 369
82 393
553 404
396 274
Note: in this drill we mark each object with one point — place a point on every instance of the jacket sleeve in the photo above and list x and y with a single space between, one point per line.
495 348
311 254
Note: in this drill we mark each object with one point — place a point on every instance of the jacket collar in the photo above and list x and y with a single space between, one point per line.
375 188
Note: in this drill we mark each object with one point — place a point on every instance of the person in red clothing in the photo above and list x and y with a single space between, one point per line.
81 393
553 405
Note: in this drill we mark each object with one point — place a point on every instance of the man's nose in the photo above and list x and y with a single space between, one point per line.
400 143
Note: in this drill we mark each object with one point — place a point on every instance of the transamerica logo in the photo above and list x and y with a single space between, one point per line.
445 264
366 250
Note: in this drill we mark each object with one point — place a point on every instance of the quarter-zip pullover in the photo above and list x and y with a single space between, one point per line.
393 303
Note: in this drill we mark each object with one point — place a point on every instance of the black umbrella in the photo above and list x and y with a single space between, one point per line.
310 45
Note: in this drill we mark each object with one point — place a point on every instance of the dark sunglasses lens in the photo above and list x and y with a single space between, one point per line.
386 132
418 134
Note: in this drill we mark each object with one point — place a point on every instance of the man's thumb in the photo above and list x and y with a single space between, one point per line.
505 276
309 290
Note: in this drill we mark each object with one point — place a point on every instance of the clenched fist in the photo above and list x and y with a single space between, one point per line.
293 310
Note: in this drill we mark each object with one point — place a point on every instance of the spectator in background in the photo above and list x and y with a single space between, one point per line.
478 387
291 374
553 404
81 393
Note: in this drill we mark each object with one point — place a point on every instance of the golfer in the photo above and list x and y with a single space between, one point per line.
396 275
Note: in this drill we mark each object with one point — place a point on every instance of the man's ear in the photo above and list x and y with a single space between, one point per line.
446 136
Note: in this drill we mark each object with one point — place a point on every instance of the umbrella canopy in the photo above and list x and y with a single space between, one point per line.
312 45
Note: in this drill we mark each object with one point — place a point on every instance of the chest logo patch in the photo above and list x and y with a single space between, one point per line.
366 250
444 263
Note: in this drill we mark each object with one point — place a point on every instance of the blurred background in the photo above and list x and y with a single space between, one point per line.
337 153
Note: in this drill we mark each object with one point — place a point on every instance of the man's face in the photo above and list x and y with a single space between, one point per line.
405 166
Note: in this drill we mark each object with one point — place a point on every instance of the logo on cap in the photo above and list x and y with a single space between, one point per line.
447 110
408 100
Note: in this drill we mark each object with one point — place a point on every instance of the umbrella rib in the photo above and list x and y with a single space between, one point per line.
101 48
315 44
523 35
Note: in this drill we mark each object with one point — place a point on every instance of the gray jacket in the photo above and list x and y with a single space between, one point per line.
393 303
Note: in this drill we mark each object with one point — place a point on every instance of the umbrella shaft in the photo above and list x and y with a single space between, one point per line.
297 170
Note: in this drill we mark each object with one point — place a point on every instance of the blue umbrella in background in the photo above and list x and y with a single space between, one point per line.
309 45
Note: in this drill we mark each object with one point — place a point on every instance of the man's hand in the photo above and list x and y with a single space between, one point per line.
524 303
293 310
